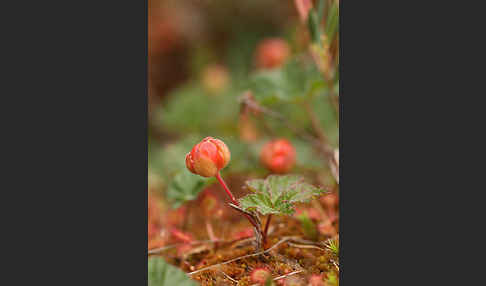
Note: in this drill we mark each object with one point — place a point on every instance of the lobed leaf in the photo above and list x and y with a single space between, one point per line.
184 187
277 194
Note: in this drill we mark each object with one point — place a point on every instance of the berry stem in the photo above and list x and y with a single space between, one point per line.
266 229
230 194
233 199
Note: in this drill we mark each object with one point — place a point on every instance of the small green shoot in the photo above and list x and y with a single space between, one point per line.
333 246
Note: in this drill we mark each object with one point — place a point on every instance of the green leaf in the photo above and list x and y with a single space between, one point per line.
160 273
277 194
185 187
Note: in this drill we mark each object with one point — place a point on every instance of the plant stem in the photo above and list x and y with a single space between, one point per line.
233 199
230 194
265 231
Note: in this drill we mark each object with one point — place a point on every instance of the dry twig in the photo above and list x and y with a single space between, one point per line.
283 276
244 256
305 246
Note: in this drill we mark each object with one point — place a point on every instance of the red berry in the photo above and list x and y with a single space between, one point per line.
260 275
208 157
272 53
278 156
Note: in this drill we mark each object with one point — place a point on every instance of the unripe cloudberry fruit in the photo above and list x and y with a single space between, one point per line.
272 53
278 156
208 157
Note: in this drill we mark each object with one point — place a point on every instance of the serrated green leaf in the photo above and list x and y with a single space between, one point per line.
160 273
185 187
277 194
255 185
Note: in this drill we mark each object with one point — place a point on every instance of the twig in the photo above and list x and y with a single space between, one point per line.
287 275
229 277
305 246
283 276
249 215
265 231
256 107
244 256
161 249
335 264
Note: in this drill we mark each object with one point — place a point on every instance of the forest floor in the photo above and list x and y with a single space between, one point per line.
220 249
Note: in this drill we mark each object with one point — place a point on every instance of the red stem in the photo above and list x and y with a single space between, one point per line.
266 228
232 198
230 194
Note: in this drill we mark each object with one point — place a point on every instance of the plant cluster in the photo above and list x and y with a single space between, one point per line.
262 109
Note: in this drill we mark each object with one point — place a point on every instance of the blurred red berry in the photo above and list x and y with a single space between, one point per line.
208 157
272 53
260 275
278 156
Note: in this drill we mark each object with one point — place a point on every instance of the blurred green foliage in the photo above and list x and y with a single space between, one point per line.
160 273
185 187
189 112
309 227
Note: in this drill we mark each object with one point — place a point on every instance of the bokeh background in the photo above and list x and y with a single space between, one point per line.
203 60
196 47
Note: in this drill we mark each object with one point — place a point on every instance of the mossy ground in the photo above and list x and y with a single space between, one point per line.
295 252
